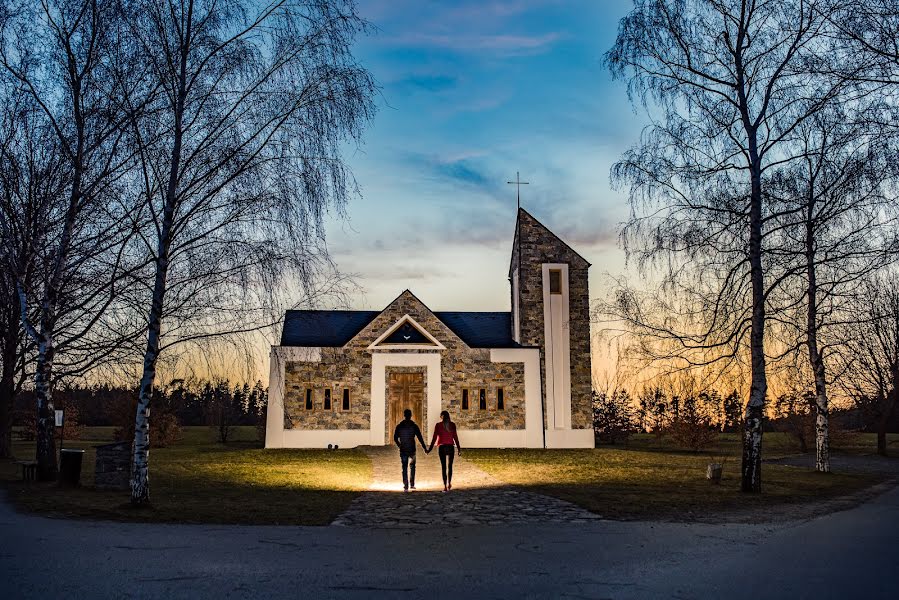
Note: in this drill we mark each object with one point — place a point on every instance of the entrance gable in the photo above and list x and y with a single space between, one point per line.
406 334
406 310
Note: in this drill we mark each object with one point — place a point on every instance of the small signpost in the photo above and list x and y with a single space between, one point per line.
60 415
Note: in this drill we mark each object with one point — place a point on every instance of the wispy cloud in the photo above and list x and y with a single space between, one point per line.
482 10
428 83
465 171
456 12
476 90
469 171
501 44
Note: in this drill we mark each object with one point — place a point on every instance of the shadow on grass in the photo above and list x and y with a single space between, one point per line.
209 483
232 504
640 484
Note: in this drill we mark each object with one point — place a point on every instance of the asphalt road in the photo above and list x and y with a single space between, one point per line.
850 554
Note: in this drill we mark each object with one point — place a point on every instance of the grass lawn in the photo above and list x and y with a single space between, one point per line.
200 480
648 479
774 444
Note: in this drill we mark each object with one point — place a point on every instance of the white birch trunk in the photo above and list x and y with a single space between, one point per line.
816 360
822 435
43 377
140 469
45 451
822 426
751 480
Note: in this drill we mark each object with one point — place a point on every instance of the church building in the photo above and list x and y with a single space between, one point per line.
508 379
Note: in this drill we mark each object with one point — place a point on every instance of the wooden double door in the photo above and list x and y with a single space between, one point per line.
405 390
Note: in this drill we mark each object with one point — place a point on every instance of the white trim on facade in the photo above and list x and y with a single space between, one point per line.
516 316
570 438
557 358
531 436
379 436
274 418
434 345
320 438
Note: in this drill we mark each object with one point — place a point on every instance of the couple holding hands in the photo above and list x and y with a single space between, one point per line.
404 437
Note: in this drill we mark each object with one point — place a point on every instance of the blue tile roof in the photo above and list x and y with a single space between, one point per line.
322 328
334 328
481 329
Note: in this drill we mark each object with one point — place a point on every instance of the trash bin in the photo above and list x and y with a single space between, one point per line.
70 466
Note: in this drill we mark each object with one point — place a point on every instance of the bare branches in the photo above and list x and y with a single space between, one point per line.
240 160
732 83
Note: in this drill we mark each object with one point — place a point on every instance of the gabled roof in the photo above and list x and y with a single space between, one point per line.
407 333
334 328
481 329
523 213
324 328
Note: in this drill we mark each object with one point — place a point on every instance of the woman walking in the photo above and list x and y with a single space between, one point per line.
445 435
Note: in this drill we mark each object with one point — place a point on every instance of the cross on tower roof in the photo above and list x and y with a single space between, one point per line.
518 183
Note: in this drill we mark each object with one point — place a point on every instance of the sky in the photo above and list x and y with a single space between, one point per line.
471 93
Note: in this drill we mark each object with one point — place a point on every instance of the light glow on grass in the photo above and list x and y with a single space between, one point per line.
640 482
421 485
200 481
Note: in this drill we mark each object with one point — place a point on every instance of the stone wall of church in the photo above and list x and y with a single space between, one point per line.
538 245
461 368
472 369
338 369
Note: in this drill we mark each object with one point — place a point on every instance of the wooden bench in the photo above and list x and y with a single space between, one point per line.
29 469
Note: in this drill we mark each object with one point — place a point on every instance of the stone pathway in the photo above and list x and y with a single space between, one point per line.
477 498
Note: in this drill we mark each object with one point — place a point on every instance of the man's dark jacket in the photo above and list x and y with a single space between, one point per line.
405 434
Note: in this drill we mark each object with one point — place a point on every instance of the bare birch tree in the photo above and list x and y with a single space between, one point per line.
727 81
240 160
842 227
28 173
61 54
869 354
867 32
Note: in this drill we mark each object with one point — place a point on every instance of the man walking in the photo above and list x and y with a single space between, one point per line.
404 437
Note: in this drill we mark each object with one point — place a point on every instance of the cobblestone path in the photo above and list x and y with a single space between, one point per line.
477 498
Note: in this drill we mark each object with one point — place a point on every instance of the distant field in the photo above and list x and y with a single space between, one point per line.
774 444
200 480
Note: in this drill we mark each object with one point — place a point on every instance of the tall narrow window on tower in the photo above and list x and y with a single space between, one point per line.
555 281
327 399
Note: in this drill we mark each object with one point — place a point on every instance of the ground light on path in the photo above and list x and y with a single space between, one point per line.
477 498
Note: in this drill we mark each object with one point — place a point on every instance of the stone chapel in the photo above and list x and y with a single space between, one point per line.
508 379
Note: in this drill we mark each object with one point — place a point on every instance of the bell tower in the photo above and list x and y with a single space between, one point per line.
551 311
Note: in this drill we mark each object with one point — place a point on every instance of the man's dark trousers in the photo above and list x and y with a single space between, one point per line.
408 459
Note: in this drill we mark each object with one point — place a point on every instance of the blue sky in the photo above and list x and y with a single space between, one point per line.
472 92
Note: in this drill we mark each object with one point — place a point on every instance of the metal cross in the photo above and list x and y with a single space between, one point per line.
518 182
